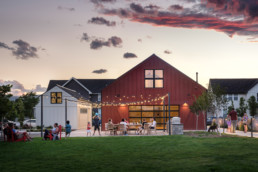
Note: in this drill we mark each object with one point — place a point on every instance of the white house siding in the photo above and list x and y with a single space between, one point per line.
53 113
252 92
84 118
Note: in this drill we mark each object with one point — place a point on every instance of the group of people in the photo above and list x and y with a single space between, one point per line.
126 125
55 131
232 121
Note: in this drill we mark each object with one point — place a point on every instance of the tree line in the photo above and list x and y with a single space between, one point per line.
20 108
214 100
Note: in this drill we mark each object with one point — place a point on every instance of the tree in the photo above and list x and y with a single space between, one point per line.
30 100
217 101
195 108
12 113
20 110
204 103
242 107
252 108
5 103
252 105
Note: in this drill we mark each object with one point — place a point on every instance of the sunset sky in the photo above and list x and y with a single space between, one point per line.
42 40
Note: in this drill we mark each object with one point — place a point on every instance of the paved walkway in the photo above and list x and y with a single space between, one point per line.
240 133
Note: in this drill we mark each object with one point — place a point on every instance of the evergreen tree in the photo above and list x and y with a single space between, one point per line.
242 107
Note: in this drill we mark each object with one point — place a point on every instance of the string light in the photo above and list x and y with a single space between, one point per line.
148 100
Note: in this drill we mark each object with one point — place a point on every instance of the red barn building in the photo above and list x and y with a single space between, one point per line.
139 94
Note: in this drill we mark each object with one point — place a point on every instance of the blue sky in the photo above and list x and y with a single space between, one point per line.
54 39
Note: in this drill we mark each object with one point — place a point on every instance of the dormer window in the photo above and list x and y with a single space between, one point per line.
154 78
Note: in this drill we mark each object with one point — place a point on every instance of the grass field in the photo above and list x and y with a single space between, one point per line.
161 153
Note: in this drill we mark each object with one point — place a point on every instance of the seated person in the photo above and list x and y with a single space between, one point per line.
139 130
125 124
153 125
55 131
110 121
18 135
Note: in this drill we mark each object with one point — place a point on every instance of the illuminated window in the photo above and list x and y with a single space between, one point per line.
56 97
154 79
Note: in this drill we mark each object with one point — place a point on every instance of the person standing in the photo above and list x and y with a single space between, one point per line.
233 115
68 129
245 119
96 124
88 129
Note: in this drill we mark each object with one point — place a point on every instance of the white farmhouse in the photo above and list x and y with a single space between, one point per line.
80 95
234 89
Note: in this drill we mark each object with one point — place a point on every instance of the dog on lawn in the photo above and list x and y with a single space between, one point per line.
213 128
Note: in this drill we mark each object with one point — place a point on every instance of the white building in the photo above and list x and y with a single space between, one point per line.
80 95
235 89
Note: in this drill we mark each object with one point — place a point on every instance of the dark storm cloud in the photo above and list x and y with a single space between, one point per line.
232 17
101 21
24 50
85 37
100 71
65 8
129 55
167 52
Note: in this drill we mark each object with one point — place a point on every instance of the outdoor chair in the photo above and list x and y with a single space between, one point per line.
50 135
122 128
110 127
146 128
106 128
10 136
153 129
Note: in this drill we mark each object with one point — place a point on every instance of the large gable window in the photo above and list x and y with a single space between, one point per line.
154 78
56 97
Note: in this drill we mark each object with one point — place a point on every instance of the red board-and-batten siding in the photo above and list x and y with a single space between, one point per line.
181 88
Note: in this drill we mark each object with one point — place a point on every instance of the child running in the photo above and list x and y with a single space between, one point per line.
88 129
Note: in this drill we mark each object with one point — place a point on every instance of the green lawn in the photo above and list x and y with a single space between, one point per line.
152 153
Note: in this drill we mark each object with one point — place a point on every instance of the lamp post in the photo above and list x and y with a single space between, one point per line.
169 123
41 102
164 115
65 110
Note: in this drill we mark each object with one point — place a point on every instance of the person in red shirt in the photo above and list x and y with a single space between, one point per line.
233 115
